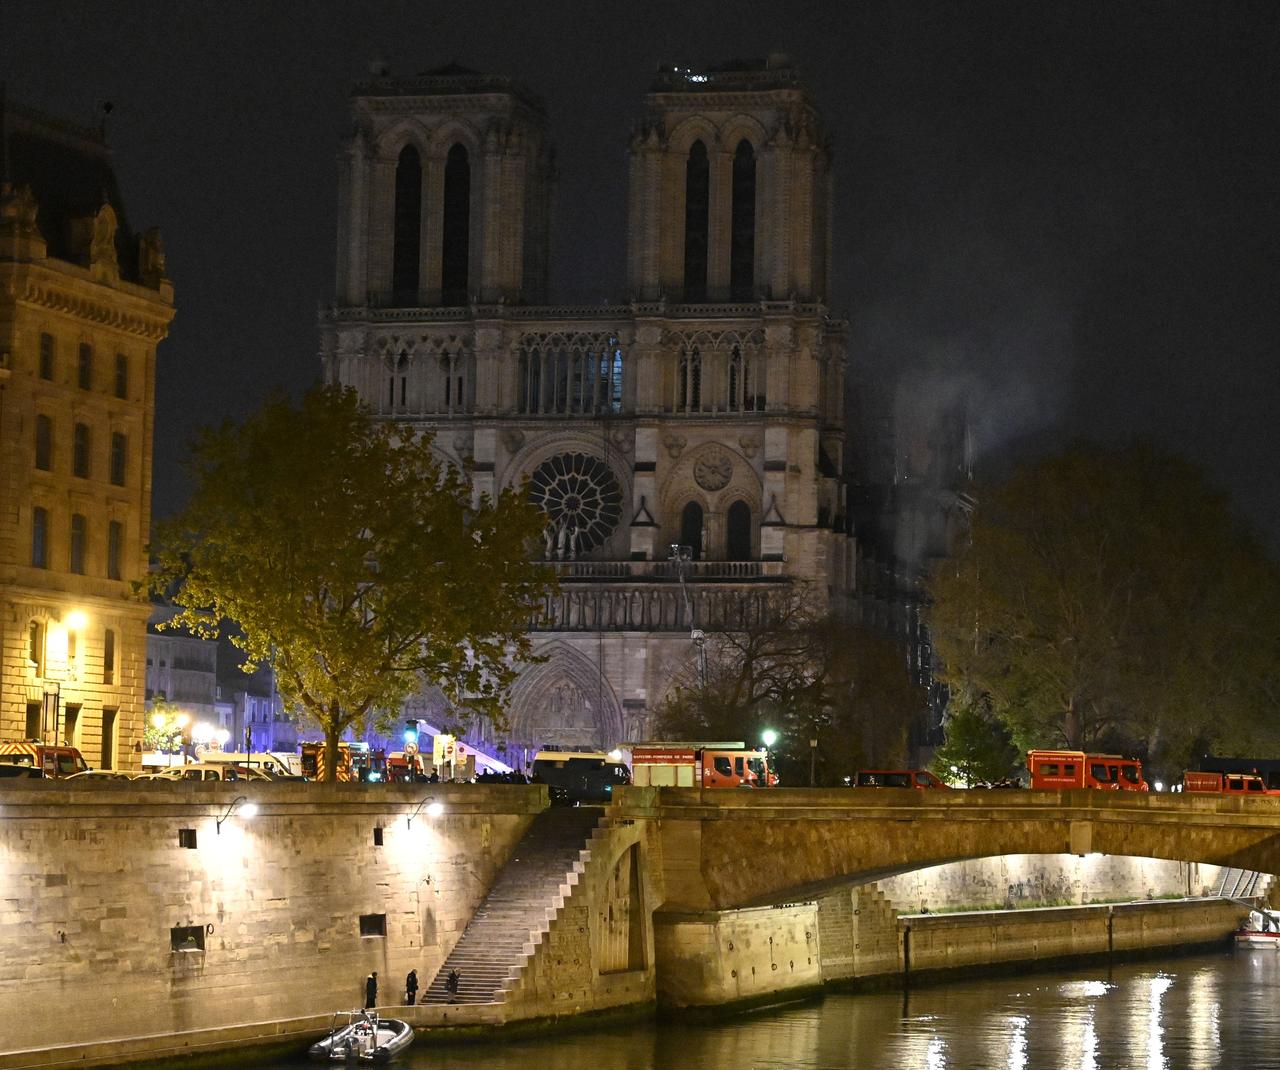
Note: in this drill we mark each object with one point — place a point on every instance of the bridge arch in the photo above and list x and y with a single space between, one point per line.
725 850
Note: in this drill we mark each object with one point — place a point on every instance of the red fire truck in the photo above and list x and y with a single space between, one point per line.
50 760
700 765
1062 770
1225 783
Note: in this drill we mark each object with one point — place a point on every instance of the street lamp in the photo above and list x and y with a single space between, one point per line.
434 809
682 558
768 737
247 809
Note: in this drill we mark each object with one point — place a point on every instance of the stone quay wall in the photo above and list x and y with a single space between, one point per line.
292 907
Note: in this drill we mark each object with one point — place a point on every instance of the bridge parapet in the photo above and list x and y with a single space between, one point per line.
728 849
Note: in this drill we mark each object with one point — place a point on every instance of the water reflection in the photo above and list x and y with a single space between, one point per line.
1218 1012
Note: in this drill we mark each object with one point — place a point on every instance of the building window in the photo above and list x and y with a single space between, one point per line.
40 537
85 368
35 646
187 839
122 376
738 532
407 228
689 385
186 937
691 529
742 239
79 537
570 374
71 728
109 657
44 443
46 356
34 712
377 835
119 457
373 925
115 542
108 739
455 237
697 214
80 451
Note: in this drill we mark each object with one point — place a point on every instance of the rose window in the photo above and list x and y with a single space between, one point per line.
582 499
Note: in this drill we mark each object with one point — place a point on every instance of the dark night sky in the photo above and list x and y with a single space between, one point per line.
1068 211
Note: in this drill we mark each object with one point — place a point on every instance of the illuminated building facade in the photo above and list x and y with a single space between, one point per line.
706 412
84 302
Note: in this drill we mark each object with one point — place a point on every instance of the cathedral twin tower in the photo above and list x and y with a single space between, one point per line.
703 421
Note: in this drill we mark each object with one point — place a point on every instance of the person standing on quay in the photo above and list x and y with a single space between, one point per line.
411 988
371 991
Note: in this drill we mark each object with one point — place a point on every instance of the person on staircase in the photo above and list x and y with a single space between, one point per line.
411 988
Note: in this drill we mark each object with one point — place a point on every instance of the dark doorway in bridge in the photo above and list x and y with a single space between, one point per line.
622 916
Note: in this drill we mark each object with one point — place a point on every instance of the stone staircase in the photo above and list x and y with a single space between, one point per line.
517 913
1240 884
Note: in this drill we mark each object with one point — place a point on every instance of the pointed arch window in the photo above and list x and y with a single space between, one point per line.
691 529
406 237
737 381
697 212
689 387
742 241
738 532
455 236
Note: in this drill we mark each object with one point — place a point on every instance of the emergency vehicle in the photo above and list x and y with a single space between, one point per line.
1225 783
356 761
700 765
52 761
1061 770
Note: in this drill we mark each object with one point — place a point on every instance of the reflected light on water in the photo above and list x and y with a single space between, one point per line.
1204 1016
1085 989
1155 1032
936 1054
1018 1043
1089 1045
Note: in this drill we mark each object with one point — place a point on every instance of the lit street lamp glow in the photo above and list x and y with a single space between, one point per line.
769 737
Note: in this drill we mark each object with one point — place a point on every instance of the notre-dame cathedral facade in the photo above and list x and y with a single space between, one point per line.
706 413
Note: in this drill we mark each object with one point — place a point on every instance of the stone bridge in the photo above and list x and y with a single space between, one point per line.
721 850
194 917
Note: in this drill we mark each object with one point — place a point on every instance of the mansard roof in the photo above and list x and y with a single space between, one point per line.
69 170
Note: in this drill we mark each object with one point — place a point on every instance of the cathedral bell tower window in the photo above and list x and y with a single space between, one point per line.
697 214
455 251
406 237
742 247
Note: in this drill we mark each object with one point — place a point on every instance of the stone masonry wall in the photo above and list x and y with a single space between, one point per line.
1009 880
93 880
598 952
734 956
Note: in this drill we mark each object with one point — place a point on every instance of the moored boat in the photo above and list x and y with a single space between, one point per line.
365 1038
1262 929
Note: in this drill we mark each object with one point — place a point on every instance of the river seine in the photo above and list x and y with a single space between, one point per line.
1195 1013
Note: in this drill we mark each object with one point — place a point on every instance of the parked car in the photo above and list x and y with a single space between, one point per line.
201 771
921 779
12 770
101 774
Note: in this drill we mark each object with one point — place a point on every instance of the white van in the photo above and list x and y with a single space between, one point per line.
272 764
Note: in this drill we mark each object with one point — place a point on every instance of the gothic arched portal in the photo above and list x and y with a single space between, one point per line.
563 701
